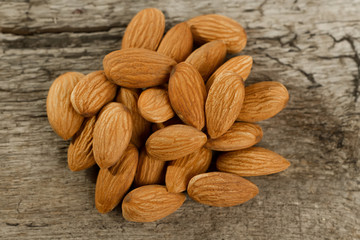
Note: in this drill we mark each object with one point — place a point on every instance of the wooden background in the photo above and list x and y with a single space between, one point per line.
312 47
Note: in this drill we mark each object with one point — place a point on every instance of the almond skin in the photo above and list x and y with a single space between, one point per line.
241 135
221 189
177 42
113 183
112 134
223 103
137 68
254 161
207 58
80 152
145 30
150 203
263 100
141 127
180 171
212 27
187 95
241 65
175 141
62 117
149 170
154 105
92 93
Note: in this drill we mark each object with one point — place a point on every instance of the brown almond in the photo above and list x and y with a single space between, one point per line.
62 117
141 127
150 203
221 189
112 134
187 95
80 152
177 42
180 171
212 27
175 141
149 170
254 161
241 65
223 103
262 101
207 58
241 135
154 105
145 30
113 183
92 93
137 68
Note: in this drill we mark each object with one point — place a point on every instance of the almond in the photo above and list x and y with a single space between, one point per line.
145 30
154 105
207 58
177 43
187 95
137 68
221 189
263 100
113 183
223 103
175 141
80 152
211 27
62 117
180 171
149 170
241 135
112 134
141 127
92 93
254 161
150 203
241 65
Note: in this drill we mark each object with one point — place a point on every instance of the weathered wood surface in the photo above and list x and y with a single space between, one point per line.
313 47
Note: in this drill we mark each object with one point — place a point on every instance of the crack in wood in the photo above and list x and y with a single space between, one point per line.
18 206
12 224
355 58
291 42
309 76
25 31
31 225
261 6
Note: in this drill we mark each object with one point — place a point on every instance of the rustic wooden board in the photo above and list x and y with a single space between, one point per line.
310 46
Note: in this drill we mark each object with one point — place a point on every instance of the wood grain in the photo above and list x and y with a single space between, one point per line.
312 47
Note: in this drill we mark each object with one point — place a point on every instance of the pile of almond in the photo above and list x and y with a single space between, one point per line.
161 112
